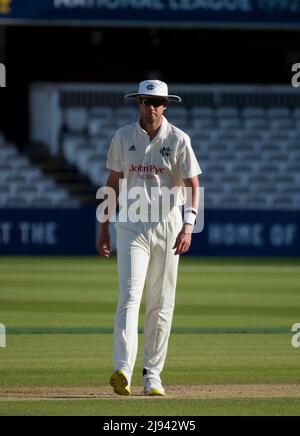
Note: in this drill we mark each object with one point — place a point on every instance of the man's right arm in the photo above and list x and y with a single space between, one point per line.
103 242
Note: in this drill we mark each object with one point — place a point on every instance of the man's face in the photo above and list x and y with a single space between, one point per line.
152 108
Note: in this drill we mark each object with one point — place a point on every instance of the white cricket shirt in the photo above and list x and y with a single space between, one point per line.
163 162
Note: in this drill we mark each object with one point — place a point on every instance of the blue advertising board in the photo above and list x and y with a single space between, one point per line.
226 233
197 13
48 231
249 233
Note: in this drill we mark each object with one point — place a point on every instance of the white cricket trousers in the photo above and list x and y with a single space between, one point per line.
145 256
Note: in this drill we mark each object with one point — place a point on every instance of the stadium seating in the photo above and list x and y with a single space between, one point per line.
250 156
24 185
246 139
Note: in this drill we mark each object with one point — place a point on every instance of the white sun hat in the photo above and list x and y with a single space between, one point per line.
154 88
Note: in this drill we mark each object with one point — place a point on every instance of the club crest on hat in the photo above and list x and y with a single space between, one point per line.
150 86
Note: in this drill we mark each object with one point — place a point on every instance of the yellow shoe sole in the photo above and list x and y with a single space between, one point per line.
119 383
155 393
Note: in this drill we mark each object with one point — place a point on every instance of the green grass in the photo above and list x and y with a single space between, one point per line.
86 360
79 296
157 407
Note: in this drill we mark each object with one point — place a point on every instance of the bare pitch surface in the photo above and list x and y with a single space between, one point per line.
179 392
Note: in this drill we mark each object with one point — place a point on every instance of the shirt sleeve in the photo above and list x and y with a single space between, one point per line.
187 162
114 161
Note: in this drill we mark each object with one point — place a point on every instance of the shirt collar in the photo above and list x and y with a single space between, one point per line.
162 133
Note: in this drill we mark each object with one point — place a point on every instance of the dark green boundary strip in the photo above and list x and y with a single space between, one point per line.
178 330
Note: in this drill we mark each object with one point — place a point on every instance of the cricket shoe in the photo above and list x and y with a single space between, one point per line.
153 386
119 382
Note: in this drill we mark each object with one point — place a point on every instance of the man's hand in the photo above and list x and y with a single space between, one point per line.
183 240
103 243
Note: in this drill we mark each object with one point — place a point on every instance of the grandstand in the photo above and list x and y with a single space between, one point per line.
247 138
23 184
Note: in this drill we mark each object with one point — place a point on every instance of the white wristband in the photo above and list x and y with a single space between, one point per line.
190 215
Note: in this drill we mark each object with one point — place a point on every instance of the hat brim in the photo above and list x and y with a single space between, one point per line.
173 98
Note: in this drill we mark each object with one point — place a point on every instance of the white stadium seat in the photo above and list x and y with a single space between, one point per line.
75 119
24 185
202 112
130 112
96 126
105 112
253 112
227 112
278 112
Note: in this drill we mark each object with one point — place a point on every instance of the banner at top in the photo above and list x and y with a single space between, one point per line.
262 13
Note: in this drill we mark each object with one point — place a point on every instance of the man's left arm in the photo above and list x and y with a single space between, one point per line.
184 239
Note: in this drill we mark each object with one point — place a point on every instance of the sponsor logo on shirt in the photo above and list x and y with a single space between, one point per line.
151 169
132 148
